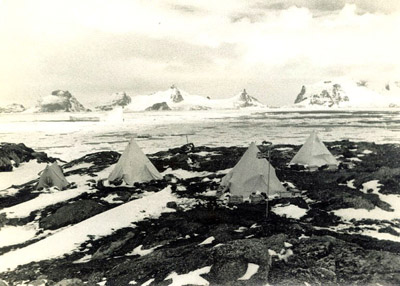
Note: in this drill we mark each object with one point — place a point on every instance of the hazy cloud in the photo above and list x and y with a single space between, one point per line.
187 9
211 48
370 6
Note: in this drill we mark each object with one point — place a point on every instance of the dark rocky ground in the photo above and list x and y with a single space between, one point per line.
320 256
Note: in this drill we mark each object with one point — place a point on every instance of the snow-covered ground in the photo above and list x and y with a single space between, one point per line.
100 225
24 173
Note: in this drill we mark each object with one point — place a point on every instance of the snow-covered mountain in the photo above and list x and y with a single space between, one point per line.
12 108
177 99
59 100
347 93
116 99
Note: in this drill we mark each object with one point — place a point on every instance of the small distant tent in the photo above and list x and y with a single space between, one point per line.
133 166
250 175
52 176
314 154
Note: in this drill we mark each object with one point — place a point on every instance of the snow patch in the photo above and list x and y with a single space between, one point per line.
208 240
191 278
350 184
11 235
111 199
84 259
142 252
291 211
183 174
371 185
241 229
148 282
24 173
251 270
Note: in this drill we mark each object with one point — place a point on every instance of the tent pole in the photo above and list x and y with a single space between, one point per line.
269 167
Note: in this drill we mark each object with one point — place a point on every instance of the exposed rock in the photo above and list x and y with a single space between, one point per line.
176 95
300 97
245 100
231 259
158 107
12 108
117 99
109 249
172 205
71 213
13 154
60 100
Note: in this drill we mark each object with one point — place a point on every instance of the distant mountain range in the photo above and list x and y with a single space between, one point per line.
347 93
339 93
177 99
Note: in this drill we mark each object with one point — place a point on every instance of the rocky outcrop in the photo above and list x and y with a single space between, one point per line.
300 97
245 100
11 155
71 214
117 99
12 108
158 107
60 100
176 95
330 96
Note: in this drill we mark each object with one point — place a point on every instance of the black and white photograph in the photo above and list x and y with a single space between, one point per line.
183 142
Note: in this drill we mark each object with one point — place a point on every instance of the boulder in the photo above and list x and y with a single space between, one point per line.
71 214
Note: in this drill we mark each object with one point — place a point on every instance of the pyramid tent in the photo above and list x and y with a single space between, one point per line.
250 175
314 153
133 166
52 176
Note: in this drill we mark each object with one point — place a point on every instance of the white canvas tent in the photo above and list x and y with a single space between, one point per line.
52 176
314 154
133 166
250 175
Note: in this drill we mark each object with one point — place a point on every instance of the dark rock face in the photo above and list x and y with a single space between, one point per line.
120 99
300 97
176 95
19 153
245 100
12 108
158 107
60 100
100 161
330 96
71 213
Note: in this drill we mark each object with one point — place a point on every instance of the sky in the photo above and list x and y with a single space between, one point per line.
94 48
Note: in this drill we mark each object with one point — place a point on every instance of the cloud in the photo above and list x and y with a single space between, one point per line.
210 47
365 6
187 9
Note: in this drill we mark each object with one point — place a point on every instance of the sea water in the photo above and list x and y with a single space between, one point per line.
154 131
